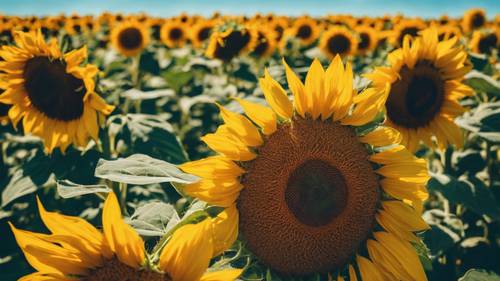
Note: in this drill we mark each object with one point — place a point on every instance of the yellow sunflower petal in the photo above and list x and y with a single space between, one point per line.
315 89
225 227
188 253
352 274
276 96
222 275
241 126
383 136
122 239
261 115
404 252
367 270
297 88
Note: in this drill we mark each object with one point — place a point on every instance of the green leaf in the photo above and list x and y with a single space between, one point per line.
446 230
148 134
479 275
482 83
68 189
484 121
154 219
141 169
471 193
19 185
135 94
177 79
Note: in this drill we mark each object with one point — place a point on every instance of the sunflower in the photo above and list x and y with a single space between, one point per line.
338 40
305 29
51 91
484 42
473 19
130 37
406 27
294 178
200 32
368 38
225 45
76 250
74 26
266 43
173 33
425 79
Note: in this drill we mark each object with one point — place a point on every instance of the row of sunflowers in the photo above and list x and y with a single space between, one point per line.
260 147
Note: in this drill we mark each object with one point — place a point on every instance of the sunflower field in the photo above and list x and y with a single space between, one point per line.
262 147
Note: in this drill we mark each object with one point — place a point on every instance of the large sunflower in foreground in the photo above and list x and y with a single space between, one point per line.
52 92
425 78
130 37
75 250
293 173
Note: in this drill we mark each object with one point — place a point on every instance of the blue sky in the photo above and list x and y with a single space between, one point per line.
424 8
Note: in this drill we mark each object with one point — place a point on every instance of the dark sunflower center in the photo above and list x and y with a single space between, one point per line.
175 34
262 46
233 44
304 31
487 43
130 38
4 109
339 44
413 31
316 192
279 30
53 91
204 33
309 198
477 20
114 270
417 97
77 28
364 42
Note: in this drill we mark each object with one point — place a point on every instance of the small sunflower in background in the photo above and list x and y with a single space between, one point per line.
338 40
130 37
266 43
231 42
173 34
406 27
473 19
74 26
368 38
305 29
52 92
76 250
200 32
291 172
484 42
279 25
425 78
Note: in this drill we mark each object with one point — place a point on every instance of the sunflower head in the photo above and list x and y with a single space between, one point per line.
338 40
173 33
130 37
368 38
52 92
448 31
404 28
485 42
266 43
291 169
231 41
200 32
425 77
76 249
305 29
473 19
